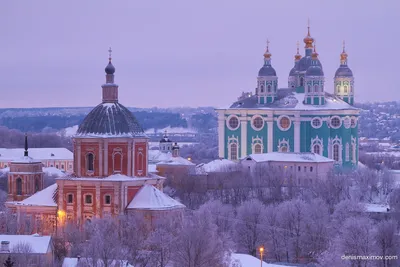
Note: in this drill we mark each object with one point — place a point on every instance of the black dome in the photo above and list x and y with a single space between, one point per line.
110 119
344 71
110 69
305 63
314 71
267 70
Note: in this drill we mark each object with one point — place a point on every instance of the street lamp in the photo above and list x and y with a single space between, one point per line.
261 254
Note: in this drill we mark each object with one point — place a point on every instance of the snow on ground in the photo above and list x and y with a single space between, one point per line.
245 260
157 144
380 208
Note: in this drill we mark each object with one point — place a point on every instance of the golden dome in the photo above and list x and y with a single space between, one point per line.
267 54
314 54
297 57
308 40
343 55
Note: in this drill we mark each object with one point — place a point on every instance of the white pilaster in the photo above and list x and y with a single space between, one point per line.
98 200
221 134
270 133
130 158
297 140
78 203
101 158
105 171
243 136
79 168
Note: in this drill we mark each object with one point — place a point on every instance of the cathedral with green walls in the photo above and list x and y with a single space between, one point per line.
302 117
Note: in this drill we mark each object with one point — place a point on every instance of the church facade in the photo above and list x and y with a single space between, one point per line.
302 117
110 178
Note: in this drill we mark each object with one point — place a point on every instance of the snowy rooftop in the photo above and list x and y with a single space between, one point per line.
150 198
53 171
159 157
39 244
152 168
57 153
218 165
73 262
44 198
245 260
25 159
114 177
288 157
288 99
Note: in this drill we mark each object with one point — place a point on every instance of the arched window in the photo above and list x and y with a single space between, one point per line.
338 88
90 162
309 88
347 152
317 149
141 161
269 88
19 186
336 152
284 149
316 88
117 162
345 88
234 152
37 184
262 88
257 149
301 81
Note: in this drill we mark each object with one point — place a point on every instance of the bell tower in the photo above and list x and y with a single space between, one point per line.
267 81
344 80
25 177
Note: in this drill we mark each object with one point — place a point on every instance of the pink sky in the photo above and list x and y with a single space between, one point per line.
186 53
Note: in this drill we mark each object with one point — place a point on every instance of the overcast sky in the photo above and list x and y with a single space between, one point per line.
186 53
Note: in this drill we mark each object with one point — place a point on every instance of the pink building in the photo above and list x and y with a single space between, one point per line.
302 168
110 170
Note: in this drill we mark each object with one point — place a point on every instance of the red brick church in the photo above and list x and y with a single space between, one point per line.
110 172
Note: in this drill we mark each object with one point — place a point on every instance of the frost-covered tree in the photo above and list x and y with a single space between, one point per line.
366 184
199 245
23 255
273 233
344 210
249 226
104 243
387 242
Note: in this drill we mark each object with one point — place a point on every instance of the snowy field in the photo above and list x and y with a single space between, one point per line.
245 260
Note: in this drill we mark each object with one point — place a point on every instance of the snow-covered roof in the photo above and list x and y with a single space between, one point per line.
57 153
39 244
288 157
25 159
245 260
53 171
152 168
288 99
150 198
43 198
114 177
159 157
218 165
73 262
171 130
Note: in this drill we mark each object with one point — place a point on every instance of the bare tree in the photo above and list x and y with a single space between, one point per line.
104 244
23 254
387 242
249 232
199 245
344 210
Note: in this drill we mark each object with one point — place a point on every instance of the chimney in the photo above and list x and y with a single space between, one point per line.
5 246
